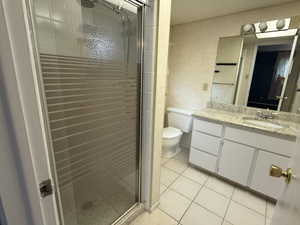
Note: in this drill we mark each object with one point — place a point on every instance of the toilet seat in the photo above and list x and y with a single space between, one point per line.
171 132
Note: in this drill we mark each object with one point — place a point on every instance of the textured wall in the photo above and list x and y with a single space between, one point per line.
194 48
164 16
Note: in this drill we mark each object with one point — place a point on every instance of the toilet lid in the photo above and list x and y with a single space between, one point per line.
171 132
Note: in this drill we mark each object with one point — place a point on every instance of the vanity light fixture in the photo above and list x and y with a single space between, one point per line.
274 28
281 33
273 25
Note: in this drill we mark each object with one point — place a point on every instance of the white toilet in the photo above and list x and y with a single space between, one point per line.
179 122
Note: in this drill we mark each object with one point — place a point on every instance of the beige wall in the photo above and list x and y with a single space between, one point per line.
164 16
194 48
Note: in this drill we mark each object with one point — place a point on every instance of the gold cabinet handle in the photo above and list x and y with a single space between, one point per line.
276 171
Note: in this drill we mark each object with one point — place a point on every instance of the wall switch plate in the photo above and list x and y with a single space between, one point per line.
205 87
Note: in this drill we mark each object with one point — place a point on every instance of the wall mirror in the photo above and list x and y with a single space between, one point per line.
260 68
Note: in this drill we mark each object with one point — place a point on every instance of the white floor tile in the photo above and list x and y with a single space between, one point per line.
183 156
157 217
196 215
164 160
250 200
195 175
186 187
241 215
174 204
167 176
270 209
213 201
176 165
162 188
220 186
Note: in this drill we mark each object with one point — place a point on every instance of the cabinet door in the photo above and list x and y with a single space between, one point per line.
235 162
261 181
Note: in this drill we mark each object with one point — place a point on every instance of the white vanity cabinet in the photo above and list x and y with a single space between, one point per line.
235 162
240 154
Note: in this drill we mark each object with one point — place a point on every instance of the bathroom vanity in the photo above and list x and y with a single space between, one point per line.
224 144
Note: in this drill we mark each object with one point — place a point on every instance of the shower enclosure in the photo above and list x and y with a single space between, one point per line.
89 59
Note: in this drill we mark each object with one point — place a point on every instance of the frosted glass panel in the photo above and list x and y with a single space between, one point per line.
89 60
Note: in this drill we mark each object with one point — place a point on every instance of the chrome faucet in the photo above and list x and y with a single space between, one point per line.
266 114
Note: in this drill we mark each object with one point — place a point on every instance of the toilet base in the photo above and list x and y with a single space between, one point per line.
170 152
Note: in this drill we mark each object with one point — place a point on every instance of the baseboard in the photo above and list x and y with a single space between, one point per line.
154 206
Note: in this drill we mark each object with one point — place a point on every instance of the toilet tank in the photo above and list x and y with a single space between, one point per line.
180 118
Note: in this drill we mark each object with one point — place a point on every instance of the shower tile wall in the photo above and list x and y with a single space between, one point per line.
66 28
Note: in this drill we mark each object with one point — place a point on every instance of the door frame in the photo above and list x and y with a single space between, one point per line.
25 103
40 88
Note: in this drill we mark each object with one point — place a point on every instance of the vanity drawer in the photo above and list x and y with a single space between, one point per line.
262 141
203 160
208 127
205 142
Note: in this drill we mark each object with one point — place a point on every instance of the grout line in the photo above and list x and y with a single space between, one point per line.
169 186
207 177
253 210
175 170
209 210
266 213
230 200
169 215
160 193
193 200
165 161
194 180
222 193
183 194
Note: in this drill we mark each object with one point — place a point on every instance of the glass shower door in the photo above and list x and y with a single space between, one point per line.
90 66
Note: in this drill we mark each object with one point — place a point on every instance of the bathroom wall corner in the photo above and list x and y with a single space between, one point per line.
164 17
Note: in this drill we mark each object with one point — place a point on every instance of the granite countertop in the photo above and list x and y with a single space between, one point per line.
290 129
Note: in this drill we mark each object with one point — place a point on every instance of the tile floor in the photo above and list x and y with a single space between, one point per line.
191 197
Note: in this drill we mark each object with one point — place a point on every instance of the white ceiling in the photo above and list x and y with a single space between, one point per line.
184 11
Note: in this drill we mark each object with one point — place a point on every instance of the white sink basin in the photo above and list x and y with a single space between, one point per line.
263 123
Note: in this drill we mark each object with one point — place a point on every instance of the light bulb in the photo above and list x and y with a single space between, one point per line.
263 26
280 24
